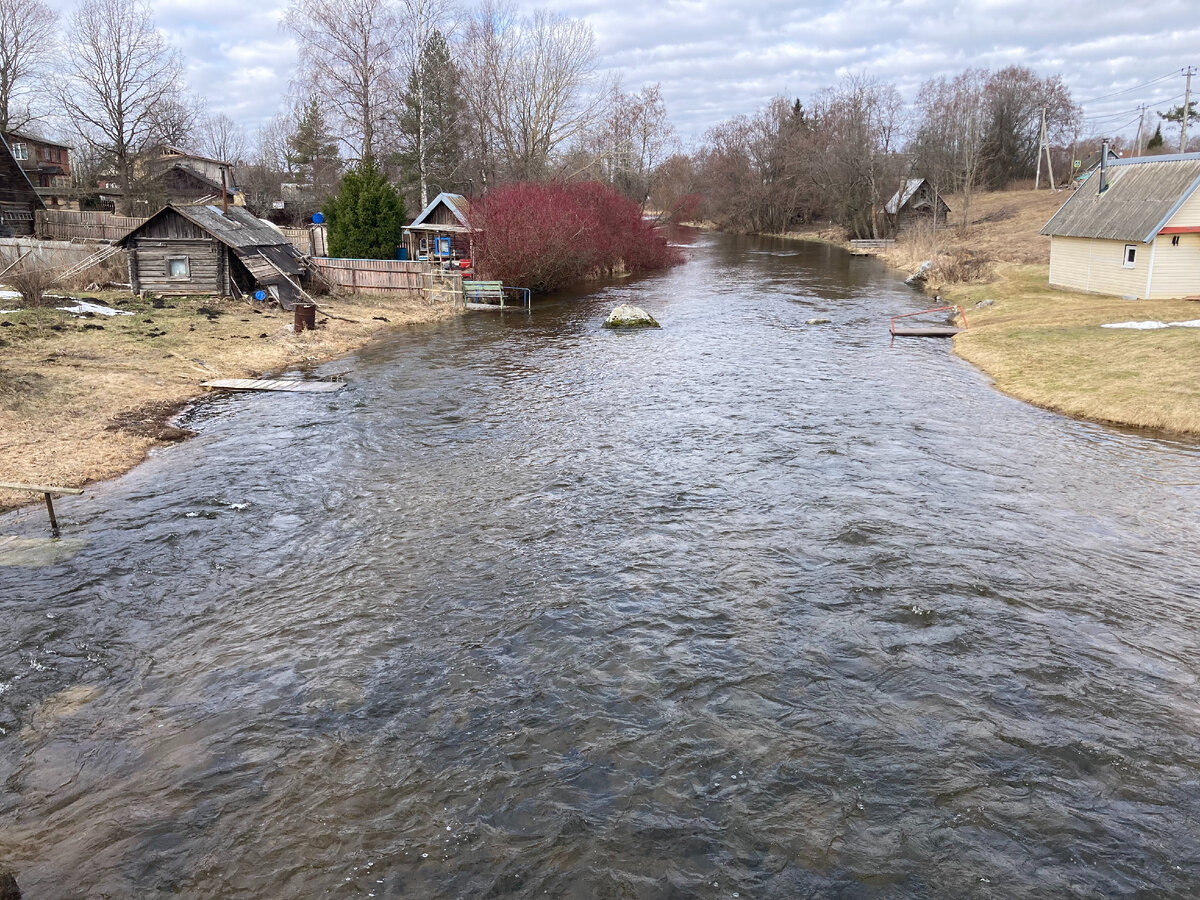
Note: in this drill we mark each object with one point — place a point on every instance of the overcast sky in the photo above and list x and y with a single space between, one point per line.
718 59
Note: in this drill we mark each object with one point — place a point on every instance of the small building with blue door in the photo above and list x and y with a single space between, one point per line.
442 232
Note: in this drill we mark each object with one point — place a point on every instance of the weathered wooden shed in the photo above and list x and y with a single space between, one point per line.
19 199
916 201
1132 229
442 231
210 250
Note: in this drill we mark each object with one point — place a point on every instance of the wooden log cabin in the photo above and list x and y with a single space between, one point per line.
210 250
916 201
442 232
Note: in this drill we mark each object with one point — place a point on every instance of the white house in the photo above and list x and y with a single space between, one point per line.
1132 229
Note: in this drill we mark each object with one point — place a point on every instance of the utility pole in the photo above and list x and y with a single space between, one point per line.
1137 143
1187 107
1044 147
1037 179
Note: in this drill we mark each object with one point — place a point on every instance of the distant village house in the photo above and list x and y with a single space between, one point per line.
1132 229
172 175
47 164
916 201
19 200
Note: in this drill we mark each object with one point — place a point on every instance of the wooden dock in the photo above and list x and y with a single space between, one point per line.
925 331
942 331
293 385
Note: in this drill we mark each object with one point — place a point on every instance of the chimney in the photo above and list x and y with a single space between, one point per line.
1103 165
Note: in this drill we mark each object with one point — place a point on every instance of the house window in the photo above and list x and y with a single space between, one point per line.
20 151
178 267
1130 253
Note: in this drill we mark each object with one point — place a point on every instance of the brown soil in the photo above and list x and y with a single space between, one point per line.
84 398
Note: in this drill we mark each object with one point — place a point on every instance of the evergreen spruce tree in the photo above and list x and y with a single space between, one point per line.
313 150
437 84
1156 141
366 217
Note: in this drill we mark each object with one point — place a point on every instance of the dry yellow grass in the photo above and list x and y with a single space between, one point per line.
1043 345
84 399
1046 346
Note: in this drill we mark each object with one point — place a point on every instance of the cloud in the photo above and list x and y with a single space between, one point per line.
715 60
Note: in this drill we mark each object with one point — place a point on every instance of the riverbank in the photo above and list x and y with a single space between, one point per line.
84 398
1043 345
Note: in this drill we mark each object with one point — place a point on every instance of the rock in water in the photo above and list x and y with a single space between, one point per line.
626 316
8 886
919 276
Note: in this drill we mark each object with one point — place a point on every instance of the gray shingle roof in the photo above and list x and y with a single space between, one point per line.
456 203
1143 193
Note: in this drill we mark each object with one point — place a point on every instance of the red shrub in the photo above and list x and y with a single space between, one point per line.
546 236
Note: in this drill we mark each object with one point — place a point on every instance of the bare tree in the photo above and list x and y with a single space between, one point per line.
175 120
27 29
947 147
529 84
223 139
120 75
350 64
634 137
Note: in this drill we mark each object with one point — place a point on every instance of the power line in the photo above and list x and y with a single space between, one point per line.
1125 112
1136 87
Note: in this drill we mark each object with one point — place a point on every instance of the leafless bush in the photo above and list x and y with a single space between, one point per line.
31 270
961 267
999 215
107 271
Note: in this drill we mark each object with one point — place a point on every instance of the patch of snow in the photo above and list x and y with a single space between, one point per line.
1150 326
82 306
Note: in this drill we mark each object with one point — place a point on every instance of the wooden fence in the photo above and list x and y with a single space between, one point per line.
311 241
374 276
72 225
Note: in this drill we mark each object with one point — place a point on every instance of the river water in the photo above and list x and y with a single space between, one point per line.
740 607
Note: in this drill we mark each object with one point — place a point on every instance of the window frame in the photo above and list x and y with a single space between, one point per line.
20 151
1129 259
187 268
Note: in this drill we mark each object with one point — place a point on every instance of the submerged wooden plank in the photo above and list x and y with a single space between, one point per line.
276 384
925 331
39 488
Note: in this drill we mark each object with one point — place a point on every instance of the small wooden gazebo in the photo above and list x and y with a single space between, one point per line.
442 232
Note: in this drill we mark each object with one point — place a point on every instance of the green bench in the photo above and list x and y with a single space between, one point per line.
484 292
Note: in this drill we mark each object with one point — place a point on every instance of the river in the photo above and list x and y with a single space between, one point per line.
742 607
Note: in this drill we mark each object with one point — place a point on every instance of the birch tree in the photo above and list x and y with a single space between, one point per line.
529 85
119 74
223 139
349 63
27 31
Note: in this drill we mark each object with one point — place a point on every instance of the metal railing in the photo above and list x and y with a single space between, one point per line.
923 312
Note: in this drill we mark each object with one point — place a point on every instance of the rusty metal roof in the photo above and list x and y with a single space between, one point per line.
1142 195
235 227
456 203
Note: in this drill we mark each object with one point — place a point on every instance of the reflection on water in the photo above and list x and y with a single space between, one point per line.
740 606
